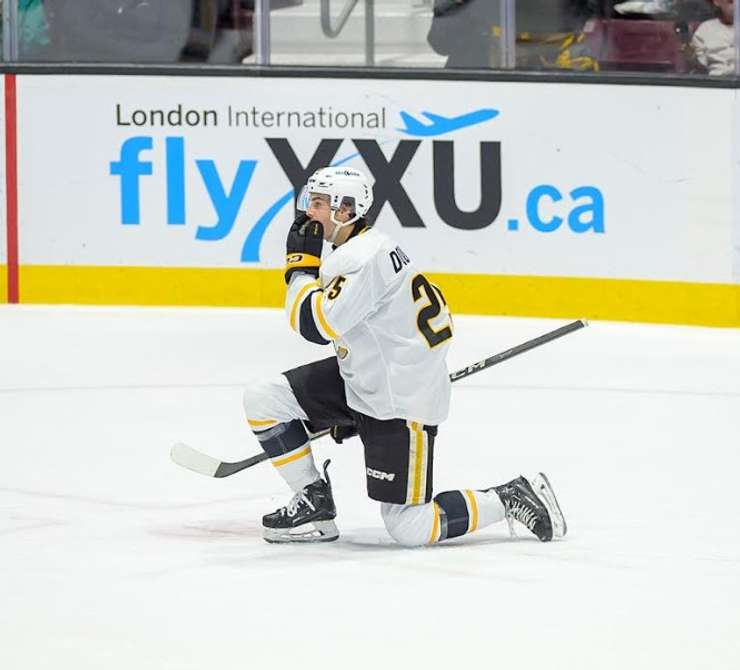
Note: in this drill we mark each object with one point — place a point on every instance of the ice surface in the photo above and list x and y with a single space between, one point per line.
113 558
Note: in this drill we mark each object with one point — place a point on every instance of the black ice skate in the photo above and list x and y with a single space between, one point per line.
533 504
308 517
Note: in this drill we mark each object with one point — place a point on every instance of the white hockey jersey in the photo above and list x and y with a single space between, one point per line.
390 328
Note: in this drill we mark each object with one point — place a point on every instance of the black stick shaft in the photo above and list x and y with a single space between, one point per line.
226 469
519 349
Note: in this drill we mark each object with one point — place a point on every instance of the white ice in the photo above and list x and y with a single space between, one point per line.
113 558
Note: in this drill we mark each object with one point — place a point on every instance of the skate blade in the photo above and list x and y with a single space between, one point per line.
318 531
543 489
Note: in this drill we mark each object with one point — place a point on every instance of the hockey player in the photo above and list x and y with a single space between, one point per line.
388 382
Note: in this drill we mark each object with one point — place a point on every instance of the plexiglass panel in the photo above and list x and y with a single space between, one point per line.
695 37
650 36
297 36
134 31
661 36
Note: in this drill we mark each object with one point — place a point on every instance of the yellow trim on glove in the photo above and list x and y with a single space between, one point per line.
299 260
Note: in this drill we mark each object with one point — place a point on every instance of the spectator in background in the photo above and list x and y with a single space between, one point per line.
551 34
137 31
713 42
548 34
125 31
687 10
461 30
647 7
33 29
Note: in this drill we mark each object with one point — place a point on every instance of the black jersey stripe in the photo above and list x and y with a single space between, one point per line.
307 321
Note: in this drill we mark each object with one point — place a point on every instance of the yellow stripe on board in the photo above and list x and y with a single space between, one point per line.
90 285
597 299
293 457
557 297
3 283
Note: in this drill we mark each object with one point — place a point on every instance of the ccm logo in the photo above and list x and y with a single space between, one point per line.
377 474
295 258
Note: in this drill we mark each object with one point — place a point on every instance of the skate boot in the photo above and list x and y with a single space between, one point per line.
308 517
533 504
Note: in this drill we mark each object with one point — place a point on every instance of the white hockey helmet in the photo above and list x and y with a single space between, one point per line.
344 186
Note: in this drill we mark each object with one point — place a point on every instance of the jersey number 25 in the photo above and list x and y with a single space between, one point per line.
430 310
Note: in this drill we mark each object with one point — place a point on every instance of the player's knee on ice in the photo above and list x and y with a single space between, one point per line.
409 525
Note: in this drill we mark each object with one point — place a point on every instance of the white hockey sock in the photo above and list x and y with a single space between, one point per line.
297 467
490 508
289 449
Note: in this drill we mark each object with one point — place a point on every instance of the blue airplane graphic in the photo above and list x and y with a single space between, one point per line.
444 124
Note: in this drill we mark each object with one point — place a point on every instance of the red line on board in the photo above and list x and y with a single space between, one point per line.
11 186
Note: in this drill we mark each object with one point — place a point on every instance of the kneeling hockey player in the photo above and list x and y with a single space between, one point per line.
387 382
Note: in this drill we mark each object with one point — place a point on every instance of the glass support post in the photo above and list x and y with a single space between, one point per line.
261 24
369 33
508 34
736 26
10 30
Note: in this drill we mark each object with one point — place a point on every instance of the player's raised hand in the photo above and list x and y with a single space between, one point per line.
303 247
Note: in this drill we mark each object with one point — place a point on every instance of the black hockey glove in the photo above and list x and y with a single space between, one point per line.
303 247
340 433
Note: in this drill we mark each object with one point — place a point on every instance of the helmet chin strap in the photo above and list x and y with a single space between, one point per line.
338 225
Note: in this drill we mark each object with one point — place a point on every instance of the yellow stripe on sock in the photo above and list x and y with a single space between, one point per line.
473 507
261 423
278 462
435 526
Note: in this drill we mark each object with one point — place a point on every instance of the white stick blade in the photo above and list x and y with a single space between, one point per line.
194 460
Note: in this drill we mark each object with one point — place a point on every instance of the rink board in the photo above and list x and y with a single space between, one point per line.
154 190
568 297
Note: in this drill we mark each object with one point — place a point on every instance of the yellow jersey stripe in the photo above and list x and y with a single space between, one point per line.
322 320
278 462
302 261
321 328
298 300
435 525
261 423
419 439
473 509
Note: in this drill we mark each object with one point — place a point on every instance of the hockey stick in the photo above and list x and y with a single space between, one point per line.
197 461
